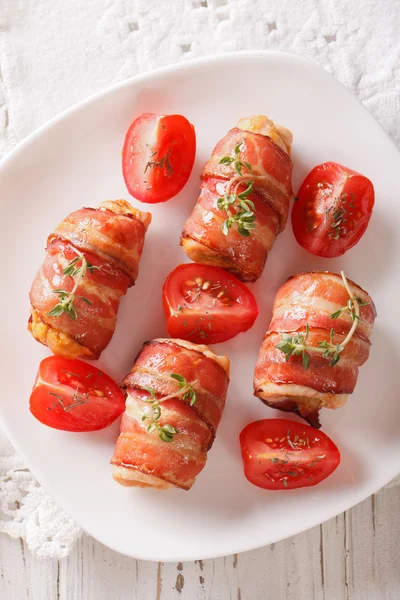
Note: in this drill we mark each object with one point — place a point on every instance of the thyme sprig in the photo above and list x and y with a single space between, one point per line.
166 432
350 308
239 208
331 350
235 160
296 344
66 304
188 390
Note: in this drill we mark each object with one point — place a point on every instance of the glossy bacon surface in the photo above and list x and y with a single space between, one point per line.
203 239
144 459
320 375
110 241
103 288
243 256
311 298
176 462
266 159
115 237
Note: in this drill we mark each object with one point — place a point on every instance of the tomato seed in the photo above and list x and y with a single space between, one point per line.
206 285
190 283
199 281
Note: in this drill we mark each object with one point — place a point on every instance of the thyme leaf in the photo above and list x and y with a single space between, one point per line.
350 308
296 344
239 209
188 390
66 299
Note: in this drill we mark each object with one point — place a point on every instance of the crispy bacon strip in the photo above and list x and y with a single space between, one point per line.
266 148
144 459
110 238
267 160
310 298
313 297
242 256
114 231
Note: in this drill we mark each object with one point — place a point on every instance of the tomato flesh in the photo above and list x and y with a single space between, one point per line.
158 156
279 454
332 210
74 396
207 305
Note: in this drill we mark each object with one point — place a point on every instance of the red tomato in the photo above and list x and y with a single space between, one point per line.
279 454
158 156
74 396
207 305
332 209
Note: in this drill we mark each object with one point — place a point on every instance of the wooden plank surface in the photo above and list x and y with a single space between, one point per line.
355 556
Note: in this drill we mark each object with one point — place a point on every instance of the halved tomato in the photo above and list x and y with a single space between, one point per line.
158 156
332 209
74 396
279 454
207 305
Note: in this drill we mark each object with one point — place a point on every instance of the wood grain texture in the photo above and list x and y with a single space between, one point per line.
355 556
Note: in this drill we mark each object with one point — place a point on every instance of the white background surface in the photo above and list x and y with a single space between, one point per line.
52 55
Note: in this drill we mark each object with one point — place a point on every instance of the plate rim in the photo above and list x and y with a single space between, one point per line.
139 79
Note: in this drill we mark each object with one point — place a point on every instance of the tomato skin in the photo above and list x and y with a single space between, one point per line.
332 209
272 462
199 315
158 156
74 396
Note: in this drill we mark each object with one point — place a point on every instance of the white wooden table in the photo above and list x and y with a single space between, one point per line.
355 556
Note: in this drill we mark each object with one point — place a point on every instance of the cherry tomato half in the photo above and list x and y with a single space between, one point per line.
207 305
74 396
279 454
332 209
158 156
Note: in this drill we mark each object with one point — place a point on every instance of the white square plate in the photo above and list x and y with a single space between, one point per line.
76 160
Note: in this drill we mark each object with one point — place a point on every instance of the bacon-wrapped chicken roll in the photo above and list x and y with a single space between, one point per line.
244 199
92 259
176 394
317 340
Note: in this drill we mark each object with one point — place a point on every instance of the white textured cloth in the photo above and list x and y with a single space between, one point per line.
54 54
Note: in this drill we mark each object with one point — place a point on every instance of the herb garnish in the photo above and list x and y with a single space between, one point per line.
336 216
166 432
163 161
239 208
238 164
76 400
66 304
70 373
290 463
350 308
188 390
296 344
